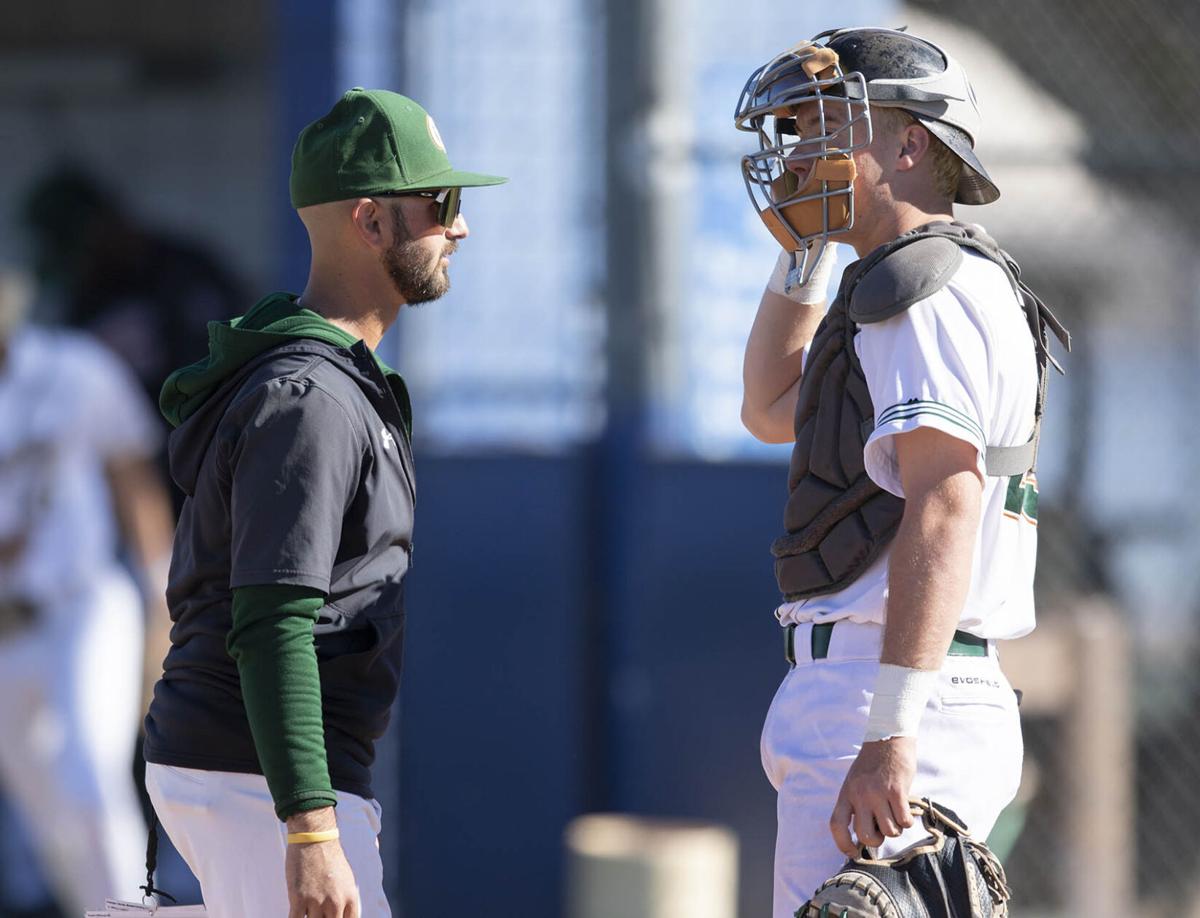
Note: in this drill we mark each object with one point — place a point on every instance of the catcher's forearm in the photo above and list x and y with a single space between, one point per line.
272 643
772 365
784 326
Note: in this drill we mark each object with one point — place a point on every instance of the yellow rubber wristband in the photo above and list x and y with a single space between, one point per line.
309 838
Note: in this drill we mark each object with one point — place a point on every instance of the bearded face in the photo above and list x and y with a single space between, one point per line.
415 264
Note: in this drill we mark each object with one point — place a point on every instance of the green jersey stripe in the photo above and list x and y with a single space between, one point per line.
933 410
910 409
905 406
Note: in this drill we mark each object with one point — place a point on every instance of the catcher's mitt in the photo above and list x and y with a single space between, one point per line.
948 875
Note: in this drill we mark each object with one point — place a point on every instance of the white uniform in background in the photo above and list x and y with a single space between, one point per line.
962 362
71 616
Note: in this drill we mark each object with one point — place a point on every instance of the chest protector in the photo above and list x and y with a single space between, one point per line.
838 520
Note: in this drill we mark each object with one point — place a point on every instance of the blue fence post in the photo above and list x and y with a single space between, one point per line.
305 71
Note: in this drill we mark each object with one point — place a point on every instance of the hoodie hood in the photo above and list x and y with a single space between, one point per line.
195 397
274 320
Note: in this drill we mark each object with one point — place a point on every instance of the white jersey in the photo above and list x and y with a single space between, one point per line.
962 362
67 406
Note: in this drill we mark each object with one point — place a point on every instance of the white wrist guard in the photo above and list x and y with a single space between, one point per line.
785 280
900 698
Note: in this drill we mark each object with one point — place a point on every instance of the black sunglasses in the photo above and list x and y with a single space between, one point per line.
449 201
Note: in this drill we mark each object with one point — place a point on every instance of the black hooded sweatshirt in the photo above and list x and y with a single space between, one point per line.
293 448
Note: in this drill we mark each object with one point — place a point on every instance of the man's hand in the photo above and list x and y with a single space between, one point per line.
874 796
320 883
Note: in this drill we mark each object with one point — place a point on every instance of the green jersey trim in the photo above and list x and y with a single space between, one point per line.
917 407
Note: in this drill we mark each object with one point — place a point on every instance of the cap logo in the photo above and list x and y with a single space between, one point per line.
433 134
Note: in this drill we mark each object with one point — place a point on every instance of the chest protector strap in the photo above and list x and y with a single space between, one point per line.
837 519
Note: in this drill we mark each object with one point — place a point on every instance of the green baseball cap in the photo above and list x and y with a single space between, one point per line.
373 142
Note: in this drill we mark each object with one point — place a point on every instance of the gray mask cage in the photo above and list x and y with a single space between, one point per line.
812 200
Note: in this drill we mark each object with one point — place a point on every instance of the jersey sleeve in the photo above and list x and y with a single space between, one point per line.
117 418
926 367
294 467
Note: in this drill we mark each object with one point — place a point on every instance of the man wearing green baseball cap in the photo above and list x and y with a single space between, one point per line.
292 444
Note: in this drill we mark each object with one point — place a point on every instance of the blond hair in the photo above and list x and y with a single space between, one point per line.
947 167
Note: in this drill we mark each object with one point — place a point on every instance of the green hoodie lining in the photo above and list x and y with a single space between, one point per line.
274 320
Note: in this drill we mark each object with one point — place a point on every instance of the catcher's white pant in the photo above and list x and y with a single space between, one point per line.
70 688
224 825
969 749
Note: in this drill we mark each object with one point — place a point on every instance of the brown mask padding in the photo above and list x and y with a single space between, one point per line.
806 218
820 66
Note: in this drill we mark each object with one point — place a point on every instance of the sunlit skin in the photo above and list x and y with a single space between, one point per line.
929 573
418 260
892 190
356 245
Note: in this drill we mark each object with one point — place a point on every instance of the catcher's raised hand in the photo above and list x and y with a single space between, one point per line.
873 801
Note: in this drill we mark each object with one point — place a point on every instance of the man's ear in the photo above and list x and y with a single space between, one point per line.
914 145
368 218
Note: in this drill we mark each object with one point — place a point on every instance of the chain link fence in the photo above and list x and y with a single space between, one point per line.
1098 103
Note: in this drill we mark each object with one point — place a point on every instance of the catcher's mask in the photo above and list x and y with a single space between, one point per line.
809 116
825 84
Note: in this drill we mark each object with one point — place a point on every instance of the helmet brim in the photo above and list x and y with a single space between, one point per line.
975 186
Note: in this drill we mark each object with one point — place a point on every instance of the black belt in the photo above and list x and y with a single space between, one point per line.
962 645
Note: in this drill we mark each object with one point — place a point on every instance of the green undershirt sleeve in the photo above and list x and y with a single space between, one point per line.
272 643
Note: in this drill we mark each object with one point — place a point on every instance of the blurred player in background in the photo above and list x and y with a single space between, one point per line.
914 405
142 291
77 654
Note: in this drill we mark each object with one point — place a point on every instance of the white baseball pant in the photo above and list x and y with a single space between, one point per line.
969 749
224 826
70 688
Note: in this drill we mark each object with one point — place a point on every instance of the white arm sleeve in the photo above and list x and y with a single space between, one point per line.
929 366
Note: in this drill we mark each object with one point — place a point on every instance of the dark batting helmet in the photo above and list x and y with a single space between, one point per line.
903 71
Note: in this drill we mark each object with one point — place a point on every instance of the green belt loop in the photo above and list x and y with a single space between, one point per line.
820 640
968 645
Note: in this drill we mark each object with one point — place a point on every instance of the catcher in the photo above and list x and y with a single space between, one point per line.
915 406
